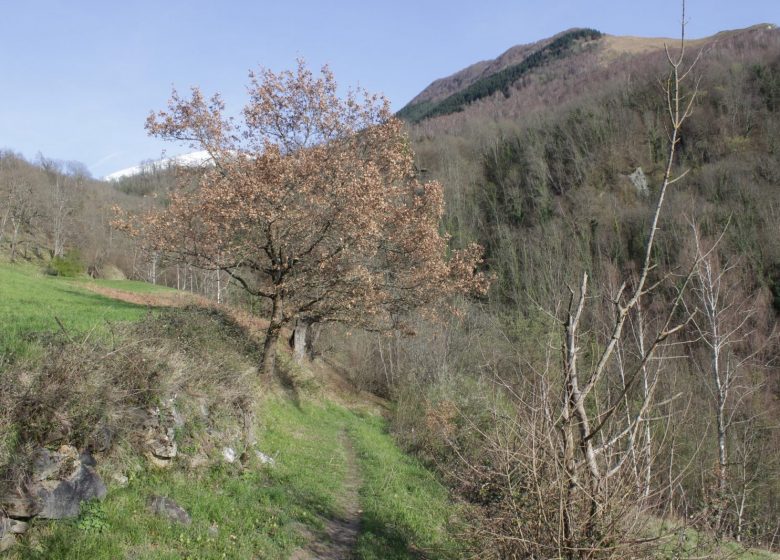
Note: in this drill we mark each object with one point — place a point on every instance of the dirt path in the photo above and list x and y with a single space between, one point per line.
341 533
178 299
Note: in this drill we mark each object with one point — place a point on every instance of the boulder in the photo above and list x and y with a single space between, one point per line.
59 481
9 528
166 507
61 498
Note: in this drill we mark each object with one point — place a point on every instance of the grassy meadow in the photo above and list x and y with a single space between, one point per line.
32 302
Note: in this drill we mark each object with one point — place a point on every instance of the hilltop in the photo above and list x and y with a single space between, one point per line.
554 70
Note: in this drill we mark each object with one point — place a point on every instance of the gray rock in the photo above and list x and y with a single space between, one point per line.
61 499
229 454
45 464
102 439
166 507
199 460
175 415
162 445
7 540
158 462
152 418
639 180
120 479
17 502
60 481
161 448
87 459
265 459
17 526
60 464
8 529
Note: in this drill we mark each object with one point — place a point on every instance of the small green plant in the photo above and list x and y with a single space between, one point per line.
93 518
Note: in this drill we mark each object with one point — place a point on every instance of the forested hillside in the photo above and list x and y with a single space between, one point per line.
558 175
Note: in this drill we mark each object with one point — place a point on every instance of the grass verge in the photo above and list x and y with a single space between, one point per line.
406 511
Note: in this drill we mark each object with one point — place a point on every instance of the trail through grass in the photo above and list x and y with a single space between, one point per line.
330 464
264 511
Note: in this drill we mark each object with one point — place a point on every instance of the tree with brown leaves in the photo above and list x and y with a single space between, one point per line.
312 204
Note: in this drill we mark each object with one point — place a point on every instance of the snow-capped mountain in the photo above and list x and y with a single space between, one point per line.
192 159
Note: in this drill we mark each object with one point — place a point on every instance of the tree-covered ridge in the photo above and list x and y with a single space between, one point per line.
500 81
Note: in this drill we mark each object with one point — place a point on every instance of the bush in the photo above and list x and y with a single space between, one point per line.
69 265
80 390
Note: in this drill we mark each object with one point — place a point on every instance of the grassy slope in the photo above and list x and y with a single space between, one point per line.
31 303
259 512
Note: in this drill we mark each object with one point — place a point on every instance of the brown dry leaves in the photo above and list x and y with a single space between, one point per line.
312 201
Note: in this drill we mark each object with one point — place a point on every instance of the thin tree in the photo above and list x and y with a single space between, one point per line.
596 448
723 318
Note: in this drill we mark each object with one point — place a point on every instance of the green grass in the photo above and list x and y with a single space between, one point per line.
406 510
31 303
258 512
264 512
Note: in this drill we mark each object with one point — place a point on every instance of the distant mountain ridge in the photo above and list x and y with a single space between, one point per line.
191 159
444 87
578 46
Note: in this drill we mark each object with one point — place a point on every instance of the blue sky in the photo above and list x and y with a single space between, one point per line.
78 77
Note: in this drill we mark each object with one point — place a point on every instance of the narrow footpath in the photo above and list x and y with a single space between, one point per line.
339 538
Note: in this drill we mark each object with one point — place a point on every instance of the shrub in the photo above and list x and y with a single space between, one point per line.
68 265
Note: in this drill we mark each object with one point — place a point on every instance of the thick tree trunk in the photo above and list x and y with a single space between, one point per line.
272 337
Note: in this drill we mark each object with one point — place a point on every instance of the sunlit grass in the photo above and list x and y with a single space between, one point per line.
31 304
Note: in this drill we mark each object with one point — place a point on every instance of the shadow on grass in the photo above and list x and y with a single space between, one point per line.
379 541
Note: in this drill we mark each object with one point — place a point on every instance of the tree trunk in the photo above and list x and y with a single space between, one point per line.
720 499
272 337
14 240
300 339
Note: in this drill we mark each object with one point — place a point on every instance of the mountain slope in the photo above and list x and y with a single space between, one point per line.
565 57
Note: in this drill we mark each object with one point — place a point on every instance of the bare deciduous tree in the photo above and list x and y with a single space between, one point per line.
724 320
